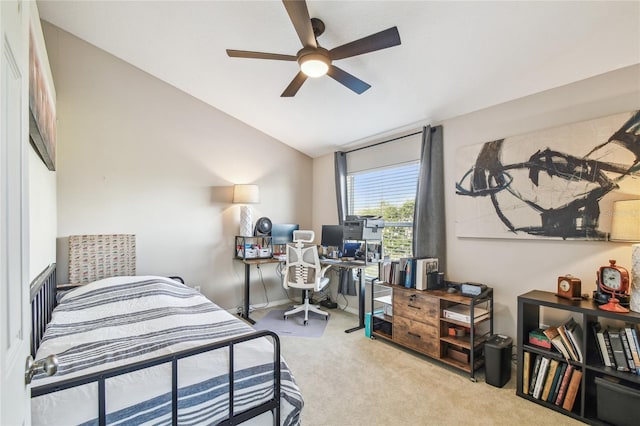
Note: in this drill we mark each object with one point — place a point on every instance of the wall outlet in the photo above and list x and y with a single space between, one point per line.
197 287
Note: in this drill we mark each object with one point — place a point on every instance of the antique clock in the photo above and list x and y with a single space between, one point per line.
614 280
569 287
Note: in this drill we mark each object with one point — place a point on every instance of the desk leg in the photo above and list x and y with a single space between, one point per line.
247 284
360 303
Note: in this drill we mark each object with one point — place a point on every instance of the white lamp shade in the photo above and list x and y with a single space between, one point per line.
625 221
246 194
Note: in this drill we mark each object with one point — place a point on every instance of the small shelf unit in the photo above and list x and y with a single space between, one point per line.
416 320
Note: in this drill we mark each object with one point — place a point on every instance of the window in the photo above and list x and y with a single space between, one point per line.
389 192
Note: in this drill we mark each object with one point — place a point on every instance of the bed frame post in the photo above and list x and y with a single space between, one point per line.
43 300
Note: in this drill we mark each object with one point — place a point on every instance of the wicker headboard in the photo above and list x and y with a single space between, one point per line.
93 257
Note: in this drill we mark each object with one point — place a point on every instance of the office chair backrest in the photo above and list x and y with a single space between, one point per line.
302 263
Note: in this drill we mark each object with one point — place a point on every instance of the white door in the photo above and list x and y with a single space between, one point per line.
14 281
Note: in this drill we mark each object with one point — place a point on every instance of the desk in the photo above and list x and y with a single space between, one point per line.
247 282
352 264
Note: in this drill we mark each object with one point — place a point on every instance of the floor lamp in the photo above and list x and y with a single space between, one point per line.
625 226
246 194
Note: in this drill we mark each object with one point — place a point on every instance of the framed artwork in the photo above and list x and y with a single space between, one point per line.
42 108
558 183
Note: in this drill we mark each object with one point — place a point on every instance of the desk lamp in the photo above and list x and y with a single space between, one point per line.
625 226
246 194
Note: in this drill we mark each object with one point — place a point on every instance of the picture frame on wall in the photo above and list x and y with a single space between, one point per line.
557 183
42 108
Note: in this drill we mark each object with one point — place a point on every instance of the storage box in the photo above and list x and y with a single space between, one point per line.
617 403
458 354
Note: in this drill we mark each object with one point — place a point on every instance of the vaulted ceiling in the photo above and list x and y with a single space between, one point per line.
455 57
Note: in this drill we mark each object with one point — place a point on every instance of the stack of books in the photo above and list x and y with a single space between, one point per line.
551 380
462 313
618 348
567 339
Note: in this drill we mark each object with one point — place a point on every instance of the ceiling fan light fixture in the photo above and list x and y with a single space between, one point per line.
314 65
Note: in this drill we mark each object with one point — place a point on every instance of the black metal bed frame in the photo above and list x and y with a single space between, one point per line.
43 300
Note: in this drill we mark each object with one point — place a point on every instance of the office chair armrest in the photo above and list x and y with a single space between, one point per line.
324 270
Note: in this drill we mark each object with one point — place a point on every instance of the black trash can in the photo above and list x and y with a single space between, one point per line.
497 360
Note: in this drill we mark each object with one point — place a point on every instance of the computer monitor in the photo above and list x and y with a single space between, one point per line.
282 233
331 236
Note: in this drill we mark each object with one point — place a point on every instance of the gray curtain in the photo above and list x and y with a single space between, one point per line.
346 282
429 239
341 184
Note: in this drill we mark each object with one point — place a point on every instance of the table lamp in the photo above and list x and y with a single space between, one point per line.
625 226
246 194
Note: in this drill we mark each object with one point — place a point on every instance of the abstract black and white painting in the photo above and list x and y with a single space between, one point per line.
557 183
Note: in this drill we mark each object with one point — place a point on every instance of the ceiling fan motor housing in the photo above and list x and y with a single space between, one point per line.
314 62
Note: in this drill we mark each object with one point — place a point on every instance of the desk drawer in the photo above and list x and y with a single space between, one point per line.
415 335
416 306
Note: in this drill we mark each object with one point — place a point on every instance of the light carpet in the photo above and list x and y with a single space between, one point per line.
294 325
347 379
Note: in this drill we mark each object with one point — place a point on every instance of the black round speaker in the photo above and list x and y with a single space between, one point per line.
263 226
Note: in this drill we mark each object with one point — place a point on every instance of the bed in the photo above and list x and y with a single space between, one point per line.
150 350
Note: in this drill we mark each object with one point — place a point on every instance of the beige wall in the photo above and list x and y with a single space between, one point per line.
136 155
513 267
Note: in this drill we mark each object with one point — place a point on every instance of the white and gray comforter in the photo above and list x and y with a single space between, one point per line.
121 320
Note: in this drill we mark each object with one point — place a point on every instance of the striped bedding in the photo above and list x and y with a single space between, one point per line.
121 320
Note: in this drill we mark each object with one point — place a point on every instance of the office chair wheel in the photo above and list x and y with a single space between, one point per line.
285 317
306 322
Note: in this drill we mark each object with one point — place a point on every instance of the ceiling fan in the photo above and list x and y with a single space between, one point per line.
316 61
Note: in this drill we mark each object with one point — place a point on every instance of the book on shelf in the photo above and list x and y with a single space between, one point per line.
574 333
542 376
598 335
572 390
567 343
525 371
629 329
557 381
627 350
406 274
618 350
607 344
564 384
553 335
534 373
538 338
553 367
634 333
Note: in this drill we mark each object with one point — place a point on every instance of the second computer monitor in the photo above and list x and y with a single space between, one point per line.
282 233
331 236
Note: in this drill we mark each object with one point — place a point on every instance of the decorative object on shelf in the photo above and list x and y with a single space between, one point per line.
246 194
569 287
625 226
613 279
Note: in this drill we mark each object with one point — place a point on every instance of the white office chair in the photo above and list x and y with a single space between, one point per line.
302 270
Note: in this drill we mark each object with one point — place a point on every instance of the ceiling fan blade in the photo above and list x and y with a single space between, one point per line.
295 84
259 55
387 38
299 15
347 80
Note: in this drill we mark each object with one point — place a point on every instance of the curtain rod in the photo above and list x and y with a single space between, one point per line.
383 142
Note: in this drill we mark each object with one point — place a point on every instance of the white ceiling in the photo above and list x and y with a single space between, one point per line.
455 57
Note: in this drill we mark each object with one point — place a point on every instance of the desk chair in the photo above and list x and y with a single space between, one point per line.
302 270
